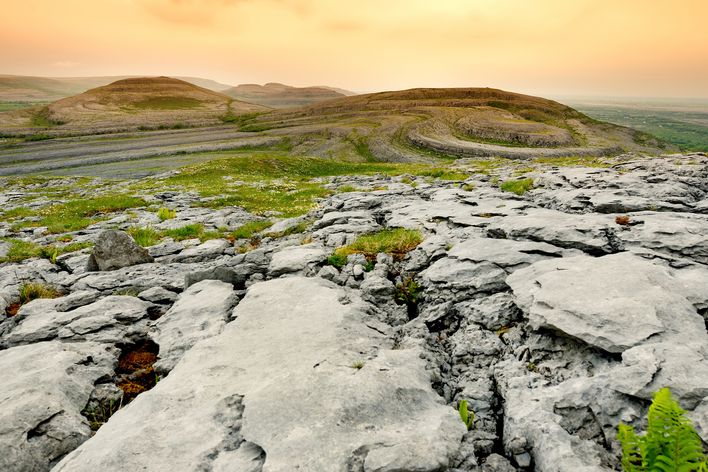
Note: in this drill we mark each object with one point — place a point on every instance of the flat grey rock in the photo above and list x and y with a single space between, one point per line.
45 387
295 258
612 302
113 319
200 312
225 402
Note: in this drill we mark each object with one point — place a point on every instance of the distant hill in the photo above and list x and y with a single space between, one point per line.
18 88
146 102
462 122
276 95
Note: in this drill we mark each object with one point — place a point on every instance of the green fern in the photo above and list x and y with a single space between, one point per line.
670 444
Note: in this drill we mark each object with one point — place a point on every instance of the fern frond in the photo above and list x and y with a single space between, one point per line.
670 444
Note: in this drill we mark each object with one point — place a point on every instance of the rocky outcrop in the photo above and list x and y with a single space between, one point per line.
115 250
555 314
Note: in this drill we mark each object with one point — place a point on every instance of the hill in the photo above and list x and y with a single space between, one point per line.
462 122
276 95
135 102
18 88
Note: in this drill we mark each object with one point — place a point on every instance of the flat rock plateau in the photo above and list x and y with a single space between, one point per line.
555 313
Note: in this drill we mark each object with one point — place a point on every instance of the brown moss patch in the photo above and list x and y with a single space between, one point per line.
135 373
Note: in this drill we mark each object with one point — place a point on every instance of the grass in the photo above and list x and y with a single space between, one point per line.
21 250
191 231
42 119
166 214
247 230
519 187
167 103
397 242
78 214
145 237
262 181
337 260
568 161
34 290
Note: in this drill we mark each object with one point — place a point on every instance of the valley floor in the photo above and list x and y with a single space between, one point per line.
306 314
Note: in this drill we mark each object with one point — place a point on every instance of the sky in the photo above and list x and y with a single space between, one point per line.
544 47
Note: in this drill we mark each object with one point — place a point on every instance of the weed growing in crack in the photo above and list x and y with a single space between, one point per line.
466 415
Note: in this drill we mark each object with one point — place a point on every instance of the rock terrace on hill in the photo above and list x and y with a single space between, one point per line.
554 319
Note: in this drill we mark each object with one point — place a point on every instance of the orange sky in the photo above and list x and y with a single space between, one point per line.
544 47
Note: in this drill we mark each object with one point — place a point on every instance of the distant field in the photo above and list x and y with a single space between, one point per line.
8 106
681 122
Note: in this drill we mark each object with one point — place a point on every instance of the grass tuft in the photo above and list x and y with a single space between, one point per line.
145 237
397 242
519 187
247 230
166 214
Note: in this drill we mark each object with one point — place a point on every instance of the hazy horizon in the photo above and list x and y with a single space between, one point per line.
632 49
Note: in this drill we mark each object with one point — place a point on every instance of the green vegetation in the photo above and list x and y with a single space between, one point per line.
166 214
38 137
191 231
687 129
42 119
358 365
167 103
295 229
407 292
35 290
466 415
247 230
518 187
78 214
397 242
361 146
337 260
98 416
19 105
276 181
669 444
145 237
584 161
21 250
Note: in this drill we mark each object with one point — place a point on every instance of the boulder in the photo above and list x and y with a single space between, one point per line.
115 250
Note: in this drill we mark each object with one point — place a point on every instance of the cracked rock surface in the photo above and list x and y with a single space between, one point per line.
555 314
